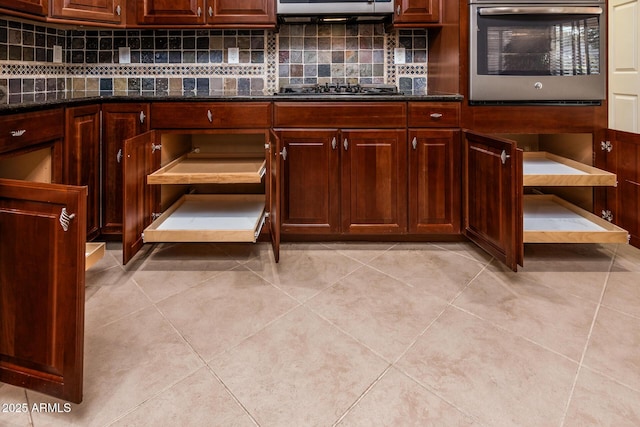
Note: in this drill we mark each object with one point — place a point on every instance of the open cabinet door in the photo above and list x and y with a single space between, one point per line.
274 192
42 286
140 201
493 213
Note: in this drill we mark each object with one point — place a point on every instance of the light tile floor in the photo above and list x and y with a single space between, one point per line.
356 334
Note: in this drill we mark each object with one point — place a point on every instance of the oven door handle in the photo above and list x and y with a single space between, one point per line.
540 10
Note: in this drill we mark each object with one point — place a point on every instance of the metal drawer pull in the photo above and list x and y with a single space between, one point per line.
334 143
18 132
346 144
119 155
210 116
414 143
436 115
142 116
65 219
504 156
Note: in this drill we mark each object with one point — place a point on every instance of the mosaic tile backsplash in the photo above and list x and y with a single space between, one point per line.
195 62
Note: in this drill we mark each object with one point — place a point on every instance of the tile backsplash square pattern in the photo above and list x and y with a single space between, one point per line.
193 62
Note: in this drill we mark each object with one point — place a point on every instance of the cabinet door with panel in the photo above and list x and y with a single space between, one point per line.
171 12
35 7
411 12
42 287
310 181
374 181
82 159
233 12
434 181
119 122
109 11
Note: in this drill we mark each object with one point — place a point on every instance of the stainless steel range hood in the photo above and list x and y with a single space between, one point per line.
333 11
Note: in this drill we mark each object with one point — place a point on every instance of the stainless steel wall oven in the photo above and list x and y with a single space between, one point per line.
537 52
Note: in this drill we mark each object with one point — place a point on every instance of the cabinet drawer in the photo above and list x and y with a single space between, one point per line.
210 115
434 114
378 115
21 130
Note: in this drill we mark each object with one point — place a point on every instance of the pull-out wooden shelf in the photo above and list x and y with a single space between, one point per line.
210 218
549 219
546 169
194 168
94 251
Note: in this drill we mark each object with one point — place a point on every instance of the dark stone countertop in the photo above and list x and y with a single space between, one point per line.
63 101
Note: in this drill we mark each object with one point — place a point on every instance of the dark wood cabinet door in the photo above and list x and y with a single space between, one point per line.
274 166
493 215
374 181
434 181
119 122
142 200
311 181
111 11
36 7
178 12
623 201
82 158
232 12
416 11
42 287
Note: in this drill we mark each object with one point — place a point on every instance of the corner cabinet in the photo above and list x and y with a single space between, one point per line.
206 175
219 13
344 167
513 197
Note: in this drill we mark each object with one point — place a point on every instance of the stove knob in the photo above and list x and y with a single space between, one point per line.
537 85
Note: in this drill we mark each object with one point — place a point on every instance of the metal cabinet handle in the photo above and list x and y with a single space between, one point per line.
142 116
346 144
398 10
210 11
414 143
118 10
334 143
283 153
17 133
436 115
65 219
155 147
119 156
199 11
504 156
210 116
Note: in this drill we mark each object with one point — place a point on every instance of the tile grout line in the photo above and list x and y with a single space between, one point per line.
586 345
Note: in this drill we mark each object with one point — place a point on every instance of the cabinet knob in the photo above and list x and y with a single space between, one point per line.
346 144
199 11
504 156
119 156
65 219
398 10
334 143
414 143
210 116
118 10
142 116
210 11
283 153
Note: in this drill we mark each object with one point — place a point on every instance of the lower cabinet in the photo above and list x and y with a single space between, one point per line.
82 159
119 122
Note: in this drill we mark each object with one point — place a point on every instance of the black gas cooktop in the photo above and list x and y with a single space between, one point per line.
339 89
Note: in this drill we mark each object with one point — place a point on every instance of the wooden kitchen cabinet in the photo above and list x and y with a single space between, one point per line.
108 11
119 122
410 13
344 169
82 159
35 7
249 13
200 180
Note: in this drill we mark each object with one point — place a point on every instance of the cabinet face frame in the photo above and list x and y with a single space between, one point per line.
42 323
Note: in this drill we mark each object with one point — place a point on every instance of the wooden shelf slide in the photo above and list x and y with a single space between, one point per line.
546 169
195 168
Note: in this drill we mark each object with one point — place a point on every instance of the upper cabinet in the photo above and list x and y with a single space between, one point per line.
409 13
213 12
36 7
109 11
